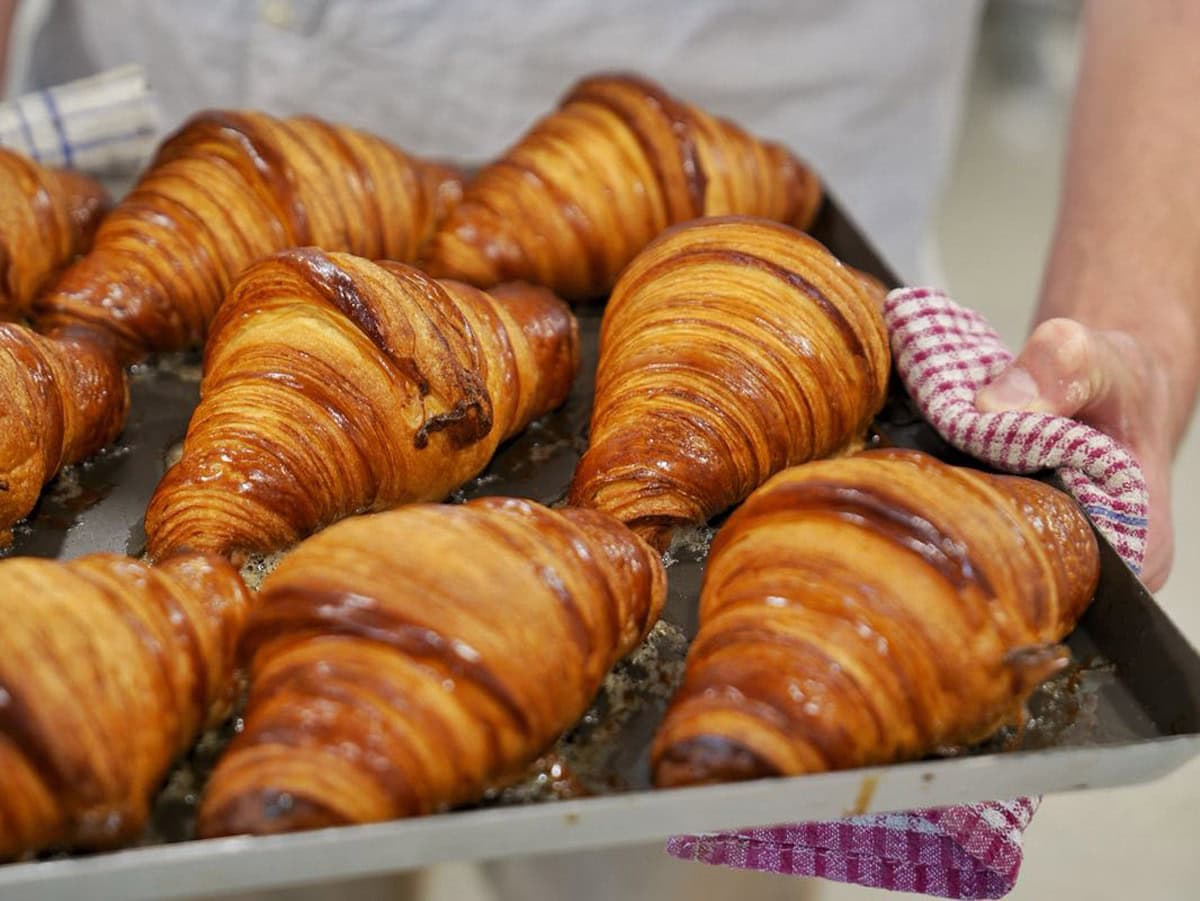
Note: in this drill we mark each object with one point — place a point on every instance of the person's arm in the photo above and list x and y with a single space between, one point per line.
1118 339
8 9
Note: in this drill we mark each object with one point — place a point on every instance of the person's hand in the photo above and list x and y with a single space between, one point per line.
1108 380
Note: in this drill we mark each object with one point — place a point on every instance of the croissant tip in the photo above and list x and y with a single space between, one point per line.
656 531
707 760
265 811
159 554
1031 666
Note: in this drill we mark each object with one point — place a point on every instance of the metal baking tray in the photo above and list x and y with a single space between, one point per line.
1127 711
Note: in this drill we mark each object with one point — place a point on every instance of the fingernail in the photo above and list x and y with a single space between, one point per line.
1014 390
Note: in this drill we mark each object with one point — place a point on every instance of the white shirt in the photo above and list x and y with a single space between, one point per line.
867 90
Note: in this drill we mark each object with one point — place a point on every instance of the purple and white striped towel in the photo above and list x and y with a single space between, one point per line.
944 355
967 851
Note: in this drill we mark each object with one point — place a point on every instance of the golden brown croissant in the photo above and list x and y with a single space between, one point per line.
403 662
47 216
108 669
226 190
335 385
873 609
64 398
730 349
595 181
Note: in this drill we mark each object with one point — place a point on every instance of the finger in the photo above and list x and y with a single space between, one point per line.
1099 377
1064 368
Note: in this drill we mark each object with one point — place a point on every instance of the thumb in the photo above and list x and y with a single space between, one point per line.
1061 371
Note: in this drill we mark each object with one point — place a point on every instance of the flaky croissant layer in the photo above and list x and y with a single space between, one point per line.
108 669
402 662
595 181
47 216
334 385
64 398
872 609
730 349
227 189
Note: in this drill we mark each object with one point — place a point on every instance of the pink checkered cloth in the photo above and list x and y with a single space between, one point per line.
969 851
944 355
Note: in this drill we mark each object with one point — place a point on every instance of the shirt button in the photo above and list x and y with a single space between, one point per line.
277 12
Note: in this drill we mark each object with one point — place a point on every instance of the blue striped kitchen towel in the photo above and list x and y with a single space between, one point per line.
105 125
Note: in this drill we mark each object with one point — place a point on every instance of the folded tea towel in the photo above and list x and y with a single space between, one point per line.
105 125
945 353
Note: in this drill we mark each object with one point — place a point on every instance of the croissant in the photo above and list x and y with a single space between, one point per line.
874 609
108 669
64 397
402 663
595 181
334 385
730 349
47 216
226 190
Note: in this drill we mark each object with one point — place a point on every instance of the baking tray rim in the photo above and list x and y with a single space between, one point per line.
256 862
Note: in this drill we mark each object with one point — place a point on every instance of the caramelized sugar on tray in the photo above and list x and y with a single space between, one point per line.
174 816
592 758
184 366
258 566
72 491
1063 711
689 545
549 778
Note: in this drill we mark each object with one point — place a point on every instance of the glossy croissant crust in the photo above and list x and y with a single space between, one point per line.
730 349
592 183
401 663
334 385
47 216
64 397
108 669
873 609
226 190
